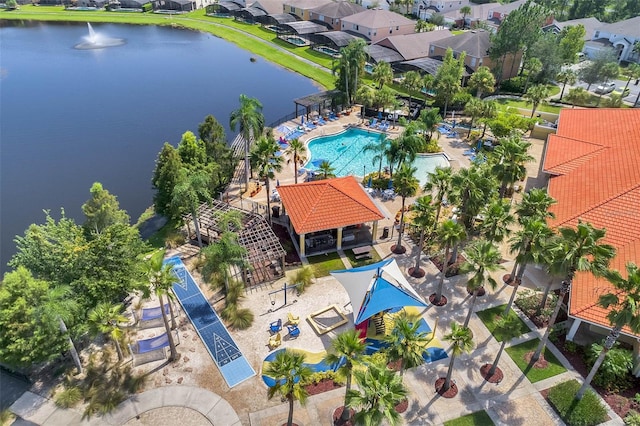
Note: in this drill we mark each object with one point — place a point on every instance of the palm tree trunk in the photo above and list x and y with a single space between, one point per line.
608 344
562 92
401 224
470 127
118 350
494 366
345 409
246 164
72 347
295 169
507 308
173 316
446 104
197 226
266 182
420 244
380 167
473 302
447 381
290 418
484 130
172 346
566 286
445 268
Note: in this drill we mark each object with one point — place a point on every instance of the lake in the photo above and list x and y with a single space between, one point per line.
72 117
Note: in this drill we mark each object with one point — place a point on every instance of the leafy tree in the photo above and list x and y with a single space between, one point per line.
578 96
424 26
266 162
406 185
288 371
102 210
601 68
497 219
622 312
379 148
192 151
383 98
474 109
448 235
346 349
105 319
423 219
439 183
249 120
26 337
190 189
449 77
507 328
349 67
547 50
508 124
429 120
482 81
613 101
537 95
382 74
483 258
297 153
461 339
580 249
533 67
223 255
437 19
165 177
587 8
211 132
566 76
428 83
631 71
11 4
571 42
412 82
380 391
327 169
406 342
512 155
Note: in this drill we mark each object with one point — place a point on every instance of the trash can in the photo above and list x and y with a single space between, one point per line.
275 211
385 232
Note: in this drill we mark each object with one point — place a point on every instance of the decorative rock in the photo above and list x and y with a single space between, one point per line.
168 380
185 359
180 380
165 371
188 370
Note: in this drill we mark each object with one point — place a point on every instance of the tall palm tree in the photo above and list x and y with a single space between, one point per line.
449 234
382 74
482 81
160 280
349 67
489 112
465 10
461 340
267 163
535 203
537 95
249 120
439 184
346 348
104 319
380 391
483 258
412 82
473 109
580 249
406 342
623 312
327 169
513 156
190 189
429 120
378 148
470 189
507 328
566 76
497 219
405 185
423 218
288 371
533 66
223 255
297 153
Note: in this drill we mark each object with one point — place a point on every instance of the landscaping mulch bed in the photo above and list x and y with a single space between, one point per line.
542 321
496 377
443 300
337 421
453 389
454 268
325 385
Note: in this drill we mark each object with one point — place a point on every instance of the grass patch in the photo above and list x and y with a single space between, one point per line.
322 264
505 104
168 233
488 317
535 374
479 418
375 257
586 412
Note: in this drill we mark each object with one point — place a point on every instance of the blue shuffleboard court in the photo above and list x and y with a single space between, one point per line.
232 364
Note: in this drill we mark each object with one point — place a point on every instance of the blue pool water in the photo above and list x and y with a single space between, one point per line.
345 152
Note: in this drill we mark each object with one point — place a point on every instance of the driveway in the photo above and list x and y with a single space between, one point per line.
634 88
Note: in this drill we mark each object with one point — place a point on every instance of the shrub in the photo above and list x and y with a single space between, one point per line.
433 147
632 418
241 319
586 412
571 347
68 397
303 278
614 373
513 85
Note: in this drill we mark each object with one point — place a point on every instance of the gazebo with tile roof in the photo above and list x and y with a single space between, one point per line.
593 162
329 212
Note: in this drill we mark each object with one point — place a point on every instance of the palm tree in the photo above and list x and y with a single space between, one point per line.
482 258
535 203
428 82
513 155
346 348
407 342
497 219
349 67
578 96
533 66
623 312
579 249
249 120
223 255
470 189
449 234
296 151
379 148
507 328
288 371
482 81
382 74
474 109
465 10
461 340
411 82
104 319
406 185
439 184
424 215
566 76
537 95
631 71
489 112
161 279
190 188
326 169
267 162
429 119
380 391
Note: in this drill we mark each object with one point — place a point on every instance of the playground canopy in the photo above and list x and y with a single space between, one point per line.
377 287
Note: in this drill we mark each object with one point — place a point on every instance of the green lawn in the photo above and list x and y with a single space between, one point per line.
479 418
322 264
488 317
535 374
375 257
504 104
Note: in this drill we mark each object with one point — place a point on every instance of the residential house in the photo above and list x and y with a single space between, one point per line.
619 36
589 24
479 12
424 8
302 8
272 7
376 24
413 46
592 163
476 44
333 12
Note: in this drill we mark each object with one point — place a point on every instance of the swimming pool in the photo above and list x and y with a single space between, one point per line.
345 152
296 40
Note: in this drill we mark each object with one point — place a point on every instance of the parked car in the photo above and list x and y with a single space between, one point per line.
605 88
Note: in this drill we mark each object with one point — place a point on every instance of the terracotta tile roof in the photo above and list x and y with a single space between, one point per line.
594 160
328 204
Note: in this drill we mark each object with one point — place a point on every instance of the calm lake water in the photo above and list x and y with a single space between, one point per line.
71 117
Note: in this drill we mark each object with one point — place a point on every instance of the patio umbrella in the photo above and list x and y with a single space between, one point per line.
369 183
283 129
302 119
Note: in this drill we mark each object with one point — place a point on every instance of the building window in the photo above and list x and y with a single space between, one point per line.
397 28
473 62
431 50
597 34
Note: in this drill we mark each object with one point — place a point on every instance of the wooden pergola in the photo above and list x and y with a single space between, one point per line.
265 254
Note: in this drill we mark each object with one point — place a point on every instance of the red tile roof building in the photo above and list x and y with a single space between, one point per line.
594 163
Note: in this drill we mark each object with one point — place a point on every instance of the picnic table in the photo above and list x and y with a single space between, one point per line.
363 252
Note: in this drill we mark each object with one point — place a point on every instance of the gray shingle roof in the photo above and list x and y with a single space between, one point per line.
628 27
476 43
412 46
338 9
378 18
589 24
